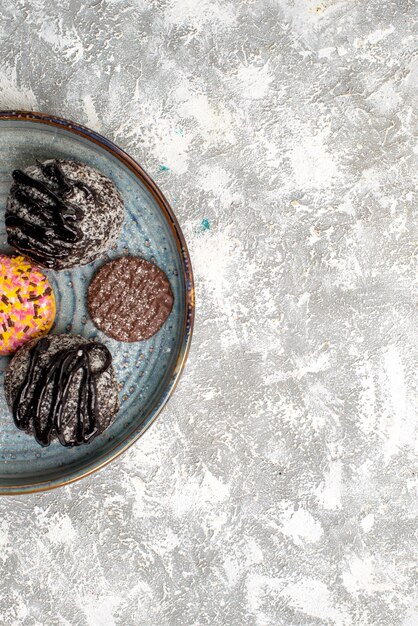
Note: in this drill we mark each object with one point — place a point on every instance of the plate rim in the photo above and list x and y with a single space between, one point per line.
187 275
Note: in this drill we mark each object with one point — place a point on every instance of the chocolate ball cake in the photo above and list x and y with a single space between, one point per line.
62 387
62 214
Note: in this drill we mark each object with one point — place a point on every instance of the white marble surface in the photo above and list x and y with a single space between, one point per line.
279 487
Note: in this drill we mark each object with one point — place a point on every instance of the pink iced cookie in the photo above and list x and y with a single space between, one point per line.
27 303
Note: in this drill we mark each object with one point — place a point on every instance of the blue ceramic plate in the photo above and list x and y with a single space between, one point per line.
148 370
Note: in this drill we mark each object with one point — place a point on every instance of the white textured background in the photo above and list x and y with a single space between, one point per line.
279 486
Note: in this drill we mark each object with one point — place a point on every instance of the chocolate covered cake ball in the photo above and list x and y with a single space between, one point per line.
62 214
62 387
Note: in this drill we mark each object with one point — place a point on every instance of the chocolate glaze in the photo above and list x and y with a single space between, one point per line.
45 391
56 233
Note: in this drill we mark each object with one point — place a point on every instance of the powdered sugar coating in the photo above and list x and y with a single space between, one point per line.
102 213
27 303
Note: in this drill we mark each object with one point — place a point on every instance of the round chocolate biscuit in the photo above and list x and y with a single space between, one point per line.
62 387
129 299
62 214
